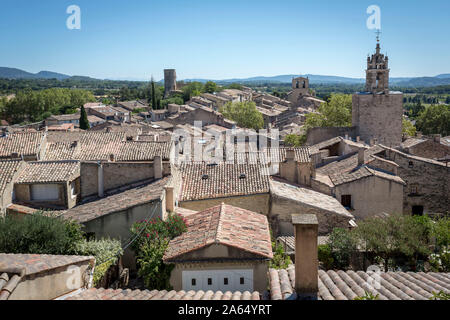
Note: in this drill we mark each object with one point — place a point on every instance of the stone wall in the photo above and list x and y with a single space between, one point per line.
117 225
319 134
429 149
281 211
116 174
256 203
378 116
372 195
430 177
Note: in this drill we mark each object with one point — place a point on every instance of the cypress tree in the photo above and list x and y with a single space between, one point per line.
154 103
84 122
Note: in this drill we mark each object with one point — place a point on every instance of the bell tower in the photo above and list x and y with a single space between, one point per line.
377 112
377 73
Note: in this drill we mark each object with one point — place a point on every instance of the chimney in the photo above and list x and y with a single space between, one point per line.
290 154
371 142
158 167
100 184
306 256
437 138
358 138
361 160
170 203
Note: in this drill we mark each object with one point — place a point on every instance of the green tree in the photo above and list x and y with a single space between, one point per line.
343 244
294 140
192 89
244 114
84 122
337 112
393 237
408 128
154 103
435 120
211 87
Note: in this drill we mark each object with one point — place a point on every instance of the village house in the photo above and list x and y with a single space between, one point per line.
427 148
48 185
9 171
43 277
225 248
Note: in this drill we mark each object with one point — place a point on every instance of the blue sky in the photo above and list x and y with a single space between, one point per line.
223 39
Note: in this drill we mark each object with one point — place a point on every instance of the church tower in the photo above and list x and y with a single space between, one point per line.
377 113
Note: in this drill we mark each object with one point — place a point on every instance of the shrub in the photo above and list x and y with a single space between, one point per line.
368 296
342 244
38 233
280 259
152 239
105 251
325 256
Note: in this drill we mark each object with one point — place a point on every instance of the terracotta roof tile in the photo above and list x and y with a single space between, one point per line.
346 285
227 225
117 202
203 181
23 143
110 294
8 169
52 171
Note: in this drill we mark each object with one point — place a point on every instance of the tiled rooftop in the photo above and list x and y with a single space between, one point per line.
93 146
302 154
119 294
51 171
288 242
227 225
13 267
8 168
360 173
308 197
23 143
347 285
117 202
203 181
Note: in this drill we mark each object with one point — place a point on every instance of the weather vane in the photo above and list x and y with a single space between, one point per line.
378 32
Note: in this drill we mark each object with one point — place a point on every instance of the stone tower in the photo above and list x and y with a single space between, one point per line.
170 81
300 89
377 113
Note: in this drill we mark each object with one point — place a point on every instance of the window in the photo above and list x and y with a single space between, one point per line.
414 189
417 210
44 192
242 280
73 192
346 200
410 164
209 281
225 281
194 282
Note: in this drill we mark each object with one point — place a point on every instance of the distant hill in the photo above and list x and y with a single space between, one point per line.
12 73
442 79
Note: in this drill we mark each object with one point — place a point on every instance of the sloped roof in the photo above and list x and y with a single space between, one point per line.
117 202
347 285
203 181
143 150
22 143
13 267
363 172
302 154
51 171
120 294
308 197
8 169
227 225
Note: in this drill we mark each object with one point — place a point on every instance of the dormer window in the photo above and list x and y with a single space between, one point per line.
242 176
205 177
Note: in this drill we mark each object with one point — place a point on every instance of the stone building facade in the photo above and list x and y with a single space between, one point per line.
427 189
377 112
